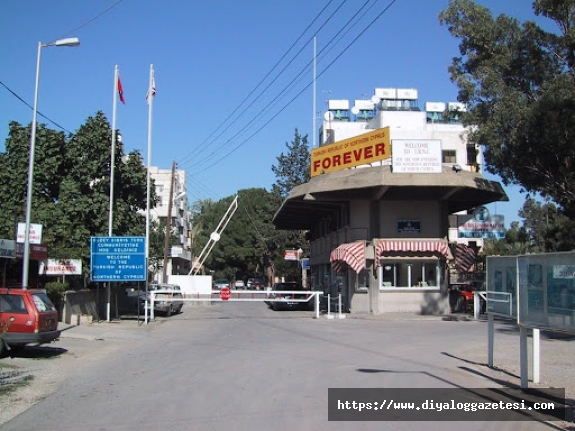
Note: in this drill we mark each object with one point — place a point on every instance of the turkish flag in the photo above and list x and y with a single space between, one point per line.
121 91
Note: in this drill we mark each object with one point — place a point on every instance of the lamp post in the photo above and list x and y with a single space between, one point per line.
71 41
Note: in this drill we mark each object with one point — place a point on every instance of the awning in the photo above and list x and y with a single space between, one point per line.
464 257
428 245
352 253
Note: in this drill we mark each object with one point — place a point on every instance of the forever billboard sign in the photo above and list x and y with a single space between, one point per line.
359 150
118 258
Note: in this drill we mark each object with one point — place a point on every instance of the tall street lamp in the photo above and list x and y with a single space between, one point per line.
70 41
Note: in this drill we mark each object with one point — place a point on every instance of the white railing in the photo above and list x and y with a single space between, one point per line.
235 296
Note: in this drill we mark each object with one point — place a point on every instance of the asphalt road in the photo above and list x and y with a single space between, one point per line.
241 366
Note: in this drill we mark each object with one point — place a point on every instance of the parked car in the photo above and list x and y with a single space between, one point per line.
240 284
220 283
461 297
256 284
167 303
26 317
283 301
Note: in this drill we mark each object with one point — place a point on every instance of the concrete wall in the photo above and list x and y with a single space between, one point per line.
359 219
408 301
81 302
427 212
94 303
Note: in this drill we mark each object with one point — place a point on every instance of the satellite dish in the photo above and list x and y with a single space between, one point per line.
375 99
355 110
328 116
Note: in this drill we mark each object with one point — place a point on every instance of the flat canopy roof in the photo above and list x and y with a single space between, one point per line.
317 199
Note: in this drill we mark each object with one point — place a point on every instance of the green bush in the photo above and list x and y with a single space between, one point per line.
55 291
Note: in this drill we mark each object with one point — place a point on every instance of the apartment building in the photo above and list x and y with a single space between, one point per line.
179 256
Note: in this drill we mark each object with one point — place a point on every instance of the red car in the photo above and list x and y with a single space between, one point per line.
27 316
461 297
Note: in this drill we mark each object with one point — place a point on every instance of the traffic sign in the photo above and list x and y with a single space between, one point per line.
118 258
225 293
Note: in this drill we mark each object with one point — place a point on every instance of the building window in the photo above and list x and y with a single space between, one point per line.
159 189
409 273
471 155
449 156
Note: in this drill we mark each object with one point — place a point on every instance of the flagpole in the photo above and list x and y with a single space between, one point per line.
150 108
113 151
112 163
150 98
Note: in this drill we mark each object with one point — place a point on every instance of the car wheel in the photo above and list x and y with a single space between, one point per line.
169 311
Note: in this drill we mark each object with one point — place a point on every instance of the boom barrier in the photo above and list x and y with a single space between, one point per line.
267 296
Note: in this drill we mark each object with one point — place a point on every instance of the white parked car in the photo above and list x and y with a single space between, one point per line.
168 302
240 284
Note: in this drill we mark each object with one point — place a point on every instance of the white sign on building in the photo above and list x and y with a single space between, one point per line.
35 233
416 156
61 267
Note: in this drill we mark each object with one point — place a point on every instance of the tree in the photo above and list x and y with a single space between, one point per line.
516 242
518 82
71 194
240 251
49 171
292 168
549 230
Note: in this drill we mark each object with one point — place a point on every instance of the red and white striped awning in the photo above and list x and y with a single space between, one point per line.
407 245
464 257
352 253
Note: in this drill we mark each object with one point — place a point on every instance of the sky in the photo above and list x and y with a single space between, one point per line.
234 79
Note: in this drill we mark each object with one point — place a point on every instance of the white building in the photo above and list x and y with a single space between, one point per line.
179 257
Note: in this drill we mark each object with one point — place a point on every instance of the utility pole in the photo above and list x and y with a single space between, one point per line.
169 223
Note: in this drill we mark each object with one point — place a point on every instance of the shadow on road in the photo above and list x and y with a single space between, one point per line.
36 352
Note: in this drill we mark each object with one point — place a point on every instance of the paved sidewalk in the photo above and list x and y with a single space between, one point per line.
113 330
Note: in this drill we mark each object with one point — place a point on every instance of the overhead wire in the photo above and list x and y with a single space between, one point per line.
242 143
267 87
183 161
307 86
29 106
104 12
241 201
261 82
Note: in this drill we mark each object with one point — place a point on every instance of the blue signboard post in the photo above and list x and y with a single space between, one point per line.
118 258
